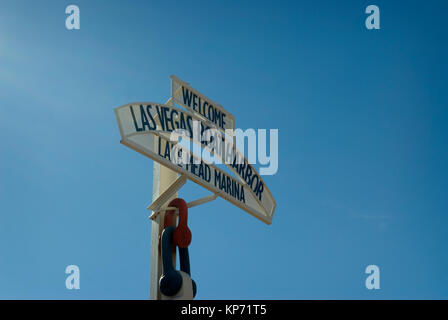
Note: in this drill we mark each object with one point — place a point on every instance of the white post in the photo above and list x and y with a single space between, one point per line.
163 178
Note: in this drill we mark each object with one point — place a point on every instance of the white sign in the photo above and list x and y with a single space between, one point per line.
206 109
138 124
162 120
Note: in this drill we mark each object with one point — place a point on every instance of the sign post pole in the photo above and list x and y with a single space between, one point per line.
163 177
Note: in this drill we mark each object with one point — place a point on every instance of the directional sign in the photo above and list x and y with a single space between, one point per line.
162 120
138 123
206 109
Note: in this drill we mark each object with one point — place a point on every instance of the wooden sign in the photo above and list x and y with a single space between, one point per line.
209 111
139 122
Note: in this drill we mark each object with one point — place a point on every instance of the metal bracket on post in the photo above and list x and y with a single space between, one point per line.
162 199
202 200
158 209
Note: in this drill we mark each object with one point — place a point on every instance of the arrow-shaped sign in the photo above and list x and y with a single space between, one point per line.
139 122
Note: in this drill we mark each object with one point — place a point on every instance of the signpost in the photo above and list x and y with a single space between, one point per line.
146 127
162 179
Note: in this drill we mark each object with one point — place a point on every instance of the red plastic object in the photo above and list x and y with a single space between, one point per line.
182 234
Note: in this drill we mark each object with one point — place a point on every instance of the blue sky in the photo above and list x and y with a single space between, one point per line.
362 118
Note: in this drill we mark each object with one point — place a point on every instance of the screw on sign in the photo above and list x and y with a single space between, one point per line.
174 284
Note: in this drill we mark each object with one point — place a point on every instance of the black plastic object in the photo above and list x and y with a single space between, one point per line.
171 281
